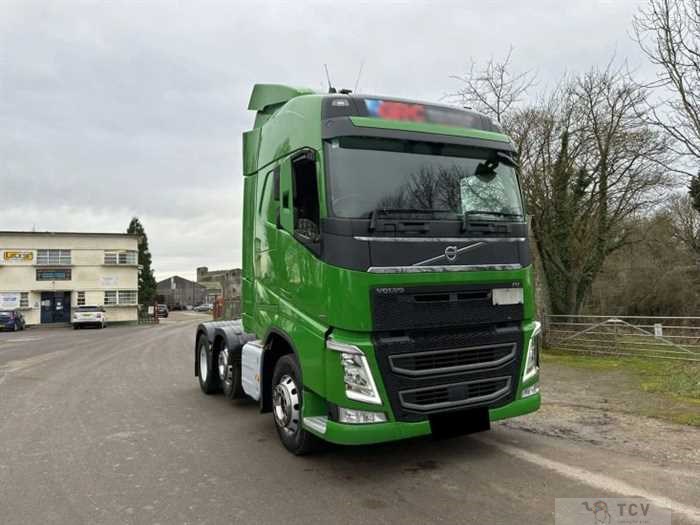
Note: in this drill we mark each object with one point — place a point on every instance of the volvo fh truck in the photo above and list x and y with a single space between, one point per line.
387 285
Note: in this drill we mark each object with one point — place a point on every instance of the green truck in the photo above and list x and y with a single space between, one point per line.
387 283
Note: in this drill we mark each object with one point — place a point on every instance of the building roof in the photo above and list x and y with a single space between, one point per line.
72 234
167 281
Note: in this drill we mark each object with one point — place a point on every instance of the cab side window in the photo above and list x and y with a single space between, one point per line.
269 203
307 217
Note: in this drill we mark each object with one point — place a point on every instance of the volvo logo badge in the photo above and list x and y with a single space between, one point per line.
451 253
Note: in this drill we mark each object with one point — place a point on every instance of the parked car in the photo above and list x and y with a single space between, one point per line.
162 310
12 320
89 316
204 307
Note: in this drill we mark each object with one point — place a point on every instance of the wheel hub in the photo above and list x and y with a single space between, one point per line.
223 364
285 405
203 363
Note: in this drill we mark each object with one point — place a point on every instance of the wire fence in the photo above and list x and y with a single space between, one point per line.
634 336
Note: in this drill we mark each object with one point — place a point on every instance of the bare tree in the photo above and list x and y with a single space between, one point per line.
668 32
590 164
685 221
494 90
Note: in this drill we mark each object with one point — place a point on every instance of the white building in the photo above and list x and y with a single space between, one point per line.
47 274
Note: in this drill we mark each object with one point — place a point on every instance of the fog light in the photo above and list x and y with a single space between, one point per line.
531 390
358 417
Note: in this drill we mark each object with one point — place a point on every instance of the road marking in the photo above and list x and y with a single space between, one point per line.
21 340
598 481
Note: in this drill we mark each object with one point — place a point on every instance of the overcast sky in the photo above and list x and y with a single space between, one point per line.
114 109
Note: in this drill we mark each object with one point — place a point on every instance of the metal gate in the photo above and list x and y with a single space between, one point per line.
636 336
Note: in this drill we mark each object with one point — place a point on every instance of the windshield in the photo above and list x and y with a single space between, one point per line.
365 175
88 309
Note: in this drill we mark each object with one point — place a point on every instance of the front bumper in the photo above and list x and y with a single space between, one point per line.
87 321
345 434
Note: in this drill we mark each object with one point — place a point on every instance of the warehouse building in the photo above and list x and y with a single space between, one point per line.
177 291
48 274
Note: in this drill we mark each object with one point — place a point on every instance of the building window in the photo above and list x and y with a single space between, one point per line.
110 297
80 301
121 297
24 299
62 274
126 257
128 296
54 257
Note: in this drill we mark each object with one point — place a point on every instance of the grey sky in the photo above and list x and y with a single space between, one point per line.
114 109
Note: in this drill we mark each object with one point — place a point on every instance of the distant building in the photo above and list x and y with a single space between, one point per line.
213 291
225 284
178 291
49 274
230 280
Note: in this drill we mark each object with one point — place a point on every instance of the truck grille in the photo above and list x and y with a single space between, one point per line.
455 395
451 361
438 370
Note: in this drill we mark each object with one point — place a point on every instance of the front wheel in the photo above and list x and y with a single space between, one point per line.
287 402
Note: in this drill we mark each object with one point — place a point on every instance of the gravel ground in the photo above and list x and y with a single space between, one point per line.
109 426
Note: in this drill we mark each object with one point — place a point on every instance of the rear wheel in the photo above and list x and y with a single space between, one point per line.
229 370
208 378
287 403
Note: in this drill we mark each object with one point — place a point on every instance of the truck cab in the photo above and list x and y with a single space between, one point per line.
387 281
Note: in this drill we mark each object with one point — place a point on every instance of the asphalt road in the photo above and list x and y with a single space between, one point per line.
109 426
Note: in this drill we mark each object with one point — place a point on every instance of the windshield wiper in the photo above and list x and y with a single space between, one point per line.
469 213
391 211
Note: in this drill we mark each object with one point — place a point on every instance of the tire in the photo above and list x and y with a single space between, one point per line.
75 327
229 370
287 404
208 378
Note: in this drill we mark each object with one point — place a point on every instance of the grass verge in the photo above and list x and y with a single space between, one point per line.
678 382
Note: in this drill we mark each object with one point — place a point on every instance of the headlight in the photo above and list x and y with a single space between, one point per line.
532 359
359 383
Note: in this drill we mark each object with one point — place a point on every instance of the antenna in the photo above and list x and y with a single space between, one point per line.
331 89
359 74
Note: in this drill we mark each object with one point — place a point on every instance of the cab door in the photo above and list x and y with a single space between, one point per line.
299 237
267 224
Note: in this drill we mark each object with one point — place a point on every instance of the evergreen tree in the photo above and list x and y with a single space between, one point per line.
147 281
694 191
